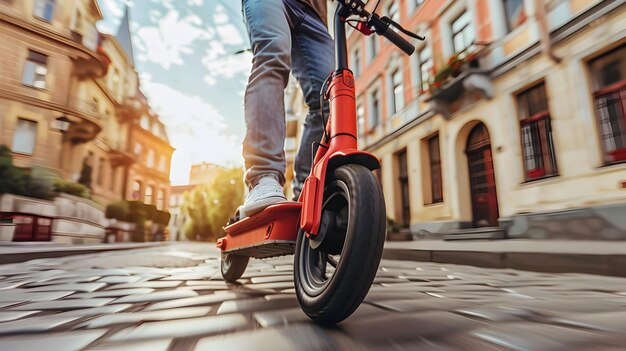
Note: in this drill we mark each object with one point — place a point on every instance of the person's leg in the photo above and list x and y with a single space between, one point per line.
313 60
269 27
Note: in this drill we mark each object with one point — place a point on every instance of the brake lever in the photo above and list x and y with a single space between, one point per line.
399 27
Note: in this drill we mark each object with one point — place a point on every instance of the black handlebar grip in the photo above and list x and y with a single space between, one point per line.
399 41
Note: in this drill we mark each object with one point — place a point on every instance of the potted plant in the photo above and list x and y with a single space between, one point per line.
7 229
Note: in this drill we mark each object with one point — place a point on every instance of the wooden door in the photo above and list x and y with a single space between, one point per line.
482 178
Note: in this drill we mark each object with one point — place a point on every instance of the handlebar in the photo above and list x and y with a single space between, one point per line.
383 28
381 25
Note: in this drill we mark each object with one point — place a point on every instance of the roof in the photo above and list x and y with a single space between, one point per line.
179 189
124 38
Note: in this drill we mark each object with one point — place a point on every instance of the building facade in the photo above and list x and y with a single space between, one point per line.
203 173
510 115
178 218
148 178
70 100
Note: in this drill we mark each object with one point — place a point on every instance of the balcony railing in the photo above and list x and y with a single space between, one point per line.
462 74
87 107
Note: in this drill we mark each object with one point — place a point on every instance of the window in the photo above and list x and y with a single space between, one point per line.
136 195
138 148
101 168
425 67
537 143
374 116
144 123
609 80
25 137
150 159
356 62
44 9
162 163
149 194
398 91
515 13
160 199
35 70
372 46
462 33
360 117
436 179
403 181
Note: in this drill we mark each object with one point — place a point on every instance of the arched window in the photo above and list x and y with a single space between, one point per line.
136 195
148 198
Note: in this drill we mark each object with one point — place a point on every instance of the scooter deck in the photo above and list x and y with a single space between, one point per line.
271 232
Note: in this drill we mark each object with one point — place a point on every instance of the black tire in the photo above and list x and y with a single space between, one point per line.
233 266
359 241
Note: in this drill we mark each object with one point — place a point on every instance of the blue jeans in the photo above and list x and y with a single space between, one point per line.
286 35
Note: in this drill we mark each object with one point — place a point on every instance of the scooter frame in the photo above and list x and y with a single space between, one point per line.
273 231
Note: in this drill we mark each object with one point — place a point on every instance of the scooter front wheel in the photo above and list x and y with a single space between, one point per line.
233 266
334 270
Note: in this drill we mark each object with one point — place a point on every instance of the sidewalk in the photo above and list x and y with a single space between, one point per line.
554 256
21 252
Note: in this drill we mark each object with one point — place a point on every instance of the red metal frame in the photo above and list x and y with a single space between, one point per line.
275 223
341 148
281 222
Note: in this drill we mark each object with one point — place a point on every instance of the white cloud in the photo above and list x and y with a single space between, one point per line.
220 64
171 38
220 16
196 129
114 8
230 34
195 2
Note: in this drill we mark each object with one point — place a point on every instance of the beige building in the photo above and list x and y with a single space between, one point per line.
202 173
149 177
525 136
178 218
70 100
514 141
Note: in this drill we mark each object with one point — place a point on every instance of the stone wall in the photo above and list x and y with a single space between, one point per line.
75 220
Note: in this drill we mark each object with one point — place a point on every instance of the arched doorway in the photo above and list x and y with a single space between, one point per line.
482 178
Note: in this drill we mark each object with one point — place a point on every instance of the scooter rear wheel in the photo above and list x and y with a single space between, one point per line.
233 266
334 271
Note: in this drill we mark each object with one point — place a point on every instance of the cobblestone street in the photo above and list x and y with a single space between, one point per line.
173 298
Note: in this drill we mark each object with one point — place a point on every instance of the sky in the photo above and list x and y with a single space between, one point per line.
186 56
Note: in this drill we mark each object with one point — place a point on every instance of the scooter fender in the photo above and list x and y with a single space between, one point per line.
312 194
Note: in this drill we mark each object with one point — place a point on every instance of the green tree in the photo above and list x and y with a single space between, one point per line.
12 179
209 206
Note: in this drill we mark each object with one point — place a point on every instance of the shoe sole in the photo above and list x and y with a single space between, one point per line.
258 206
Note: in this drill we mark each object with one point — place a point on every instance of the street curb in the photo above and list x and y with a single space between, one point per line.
611 264
18 257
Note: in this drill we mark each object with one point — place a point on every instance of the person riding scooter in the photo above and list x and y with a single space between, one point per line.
286 36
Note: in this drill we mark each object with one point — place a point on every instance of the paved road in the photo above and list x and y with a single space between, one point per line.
172 298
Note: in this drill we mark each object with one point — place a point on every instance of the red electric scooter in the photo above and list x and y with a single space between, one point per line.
337 227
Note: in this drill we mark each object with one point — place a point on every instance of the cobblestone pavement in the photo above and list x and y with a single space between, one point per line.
173 298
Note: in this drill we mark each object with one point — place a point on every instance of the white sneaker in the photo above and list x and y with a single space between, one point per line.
266 192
